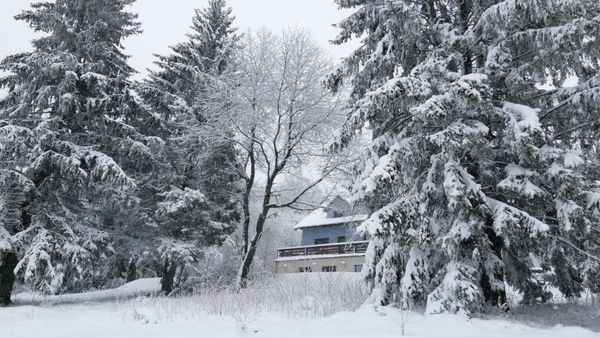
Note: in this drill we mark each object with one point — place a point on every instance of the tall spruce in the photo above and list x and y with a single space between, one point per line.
180 86
187 92
482 161
70 147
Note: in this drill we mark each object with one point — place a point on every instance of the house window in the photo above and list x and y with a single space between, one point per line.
331 268
358 268
305 269
341 239
321 241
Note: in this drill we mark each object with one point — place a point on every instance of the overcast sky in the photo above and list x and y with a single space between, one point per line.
166 23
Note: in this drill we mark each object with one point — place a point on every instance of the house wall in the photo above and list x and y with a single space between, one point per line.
342 264
332 232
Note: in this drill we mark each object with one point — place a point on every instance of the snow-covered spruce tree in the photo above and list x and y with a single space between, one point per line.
178 88
187 222
476 169
69 148
186 92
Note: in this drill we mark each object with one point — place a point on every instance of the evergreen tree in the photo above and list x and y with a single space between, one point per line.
71 151
476 168
179 88
188 94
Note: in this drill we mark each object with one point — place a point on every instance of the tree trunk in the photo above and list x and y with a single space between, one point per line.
251 251
245 266
168 277
7 276
131 271
493 295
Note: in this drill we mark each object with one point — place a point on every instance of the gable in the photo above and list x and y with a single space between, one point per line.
338 207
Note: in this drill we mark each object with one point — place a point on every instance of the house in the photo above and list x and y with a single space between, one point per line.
329 243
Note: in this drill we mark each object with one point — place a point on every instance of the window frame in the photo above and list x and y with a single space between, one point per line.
324 239
329 268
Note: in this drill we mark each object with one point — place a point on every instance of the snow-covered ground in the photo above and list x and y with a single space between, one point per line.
292 306
139 287
123 320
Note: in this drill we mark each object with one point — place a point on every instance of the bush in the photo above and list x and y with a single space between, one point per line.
294 296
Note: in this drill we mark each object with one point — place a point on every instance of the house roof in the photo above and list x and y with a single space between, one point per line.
338 204
319 217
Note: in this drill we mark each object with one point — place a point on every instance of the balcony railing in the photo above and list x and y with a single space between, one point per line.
324 249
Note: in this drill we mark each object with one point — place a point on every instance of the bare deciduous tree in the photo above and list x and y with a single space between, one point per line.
281 115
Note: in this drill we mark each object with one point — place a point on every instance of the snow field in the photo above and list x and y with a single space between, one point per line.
121 320
297 305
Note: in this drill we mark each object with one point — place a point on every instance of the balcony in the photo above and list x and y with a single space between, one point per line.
324 249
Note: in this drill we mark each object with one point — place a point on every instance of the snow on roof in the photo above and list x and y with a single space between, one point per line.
319 217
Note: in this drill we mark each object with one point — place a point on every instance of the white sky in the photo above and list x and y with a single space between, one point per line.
165 22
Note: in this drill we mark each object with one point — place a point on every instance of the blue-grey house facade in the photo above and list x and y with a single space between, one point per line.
329 242
338 233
